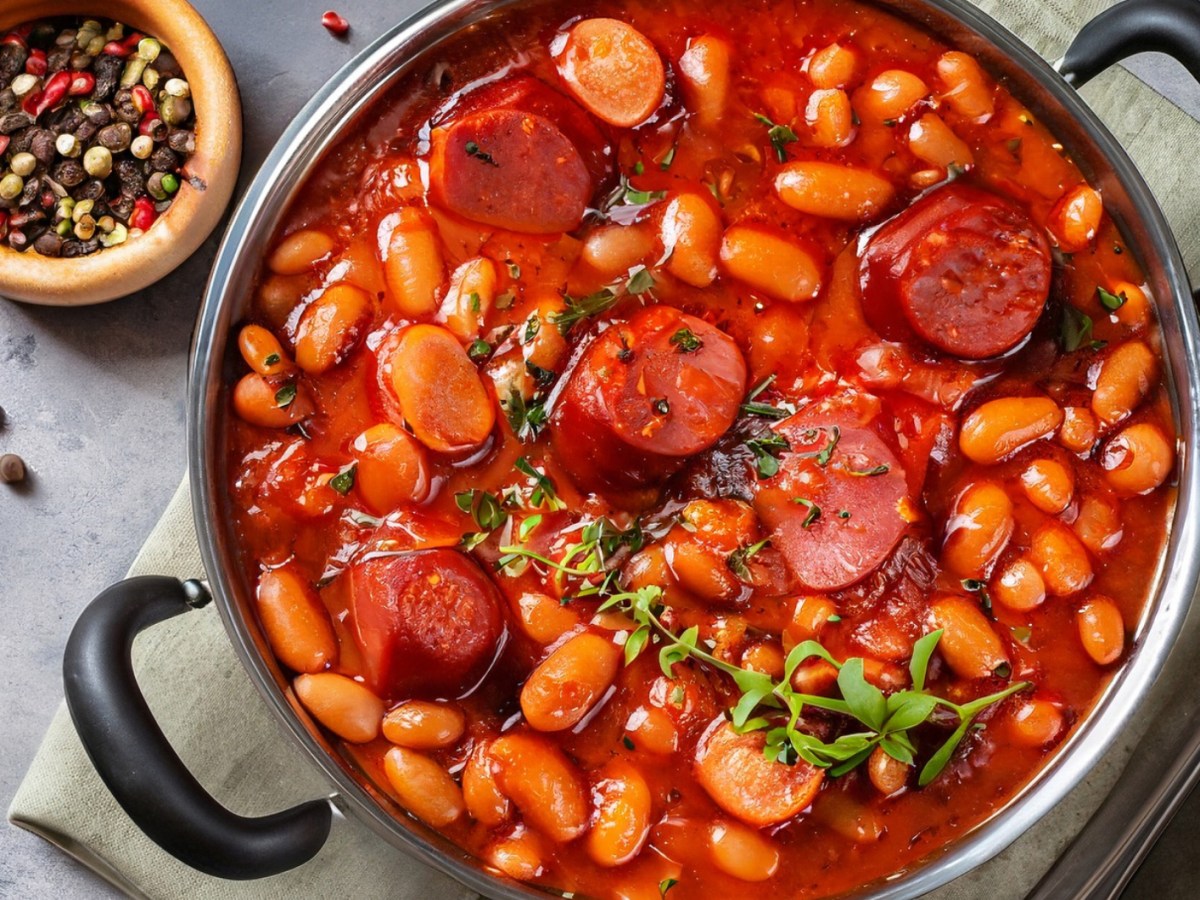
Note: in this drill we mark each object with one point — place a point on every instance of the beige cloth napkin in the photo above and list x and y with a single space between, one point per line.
215 719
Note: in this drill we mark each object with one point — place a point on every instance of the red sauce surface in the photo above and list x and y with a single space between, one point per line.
354 450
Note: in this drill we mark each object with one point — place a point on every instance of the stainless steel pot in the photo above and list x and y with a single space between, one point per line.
154 787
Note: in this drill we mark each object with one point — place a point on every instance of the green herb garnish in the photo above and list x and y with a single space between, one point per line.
526 419
1111 302
580 308
285 395
776 707
343 481
814 511
639 281
473 149
738 559
479 350
780 136
686 340
767 449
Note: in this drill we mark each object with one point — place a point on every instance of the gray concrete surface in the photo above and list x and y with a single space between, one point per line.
95 405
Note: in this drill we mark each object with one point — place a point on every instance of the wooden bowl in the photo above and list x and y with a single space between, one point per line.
117 271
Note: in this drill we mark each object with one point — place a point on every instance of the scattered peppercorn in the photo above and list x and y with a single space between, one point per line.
91 112
334 23
12 468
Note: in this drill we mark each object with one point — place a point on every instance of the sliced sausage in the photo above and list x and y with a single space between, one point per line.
428 622
509 169
837 506
647 394
962 269
744 783
525 93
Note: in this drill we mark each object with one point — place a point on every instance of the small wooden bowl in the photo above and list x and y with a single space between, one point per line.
117 271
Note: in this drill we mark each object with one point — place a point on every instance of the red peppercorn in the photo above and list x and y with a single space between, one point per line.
3 224
36 63
130 43
4 141
114 48
335 23
152 125
143 214
14 38
49 96
143 100
82 84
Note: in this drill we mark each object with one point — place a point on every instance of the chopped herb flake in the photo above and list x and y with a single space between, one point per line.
639 281
668 158
479 350
767 449
580 308
285 395
814 511
473 149
272 360
686 341
343 481
779 135
1111 302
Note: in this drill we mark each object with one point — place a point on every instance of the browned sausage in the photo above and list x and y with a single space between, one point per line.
836 509
645 395
962 269
428 622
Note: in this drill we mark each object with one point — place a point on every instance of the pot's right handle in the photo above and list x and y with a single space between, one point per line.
137 764
1134 26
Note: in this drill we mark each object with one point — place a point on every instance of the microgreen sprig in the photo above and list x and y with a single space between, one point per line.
887 720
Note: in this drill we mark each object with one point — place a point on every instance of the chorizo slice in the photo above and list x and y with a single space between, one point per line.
839 504
509 169
962 269
427 622
732 769
646 394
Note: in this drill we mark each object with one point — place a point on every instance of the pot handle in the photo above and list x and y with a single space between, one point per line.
1134 26
137 763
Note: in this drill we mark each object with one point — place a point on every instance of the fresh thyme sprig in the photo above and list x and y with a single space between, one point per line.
886 720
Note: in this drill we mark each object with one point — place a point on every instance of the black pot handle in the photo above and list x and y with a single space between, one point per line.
1134 26
137 764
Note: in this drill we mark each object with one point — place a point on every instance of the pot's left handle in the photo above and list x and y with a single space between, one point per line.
137 763
1134 26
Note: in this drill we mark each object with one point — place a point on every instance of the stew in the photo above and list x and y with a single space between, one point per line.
682 448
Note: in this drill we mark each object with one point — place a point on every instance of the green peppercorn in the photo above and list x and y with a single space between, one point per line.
117 236
177 87
23 164
106 223
11 186
81 209
98 162
170 183
150 78
142 146
63 228
95 45
148 49
132 72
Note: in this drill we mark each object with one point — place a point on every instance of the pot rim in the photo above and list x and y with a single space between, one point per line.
368 76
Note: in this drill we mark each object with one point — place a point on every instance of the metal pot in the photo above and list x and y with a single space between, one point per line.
151 783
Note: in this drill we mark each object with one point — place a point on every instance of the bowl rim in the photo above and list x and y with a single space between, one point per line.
366 77
114 272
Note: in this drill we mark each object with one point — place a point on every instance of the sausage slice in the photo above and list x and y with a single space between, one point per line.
427 622
647 394
837 508
509 169
962 269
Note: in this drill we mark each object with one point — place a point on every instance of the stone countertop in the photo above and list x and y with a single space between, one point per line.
95 404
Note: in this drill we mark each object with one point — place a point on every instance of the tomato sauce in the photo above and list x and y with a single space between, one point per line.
626 348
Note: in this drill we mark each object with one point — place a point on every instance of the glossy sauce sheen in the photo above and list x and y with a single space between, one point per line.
912 304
